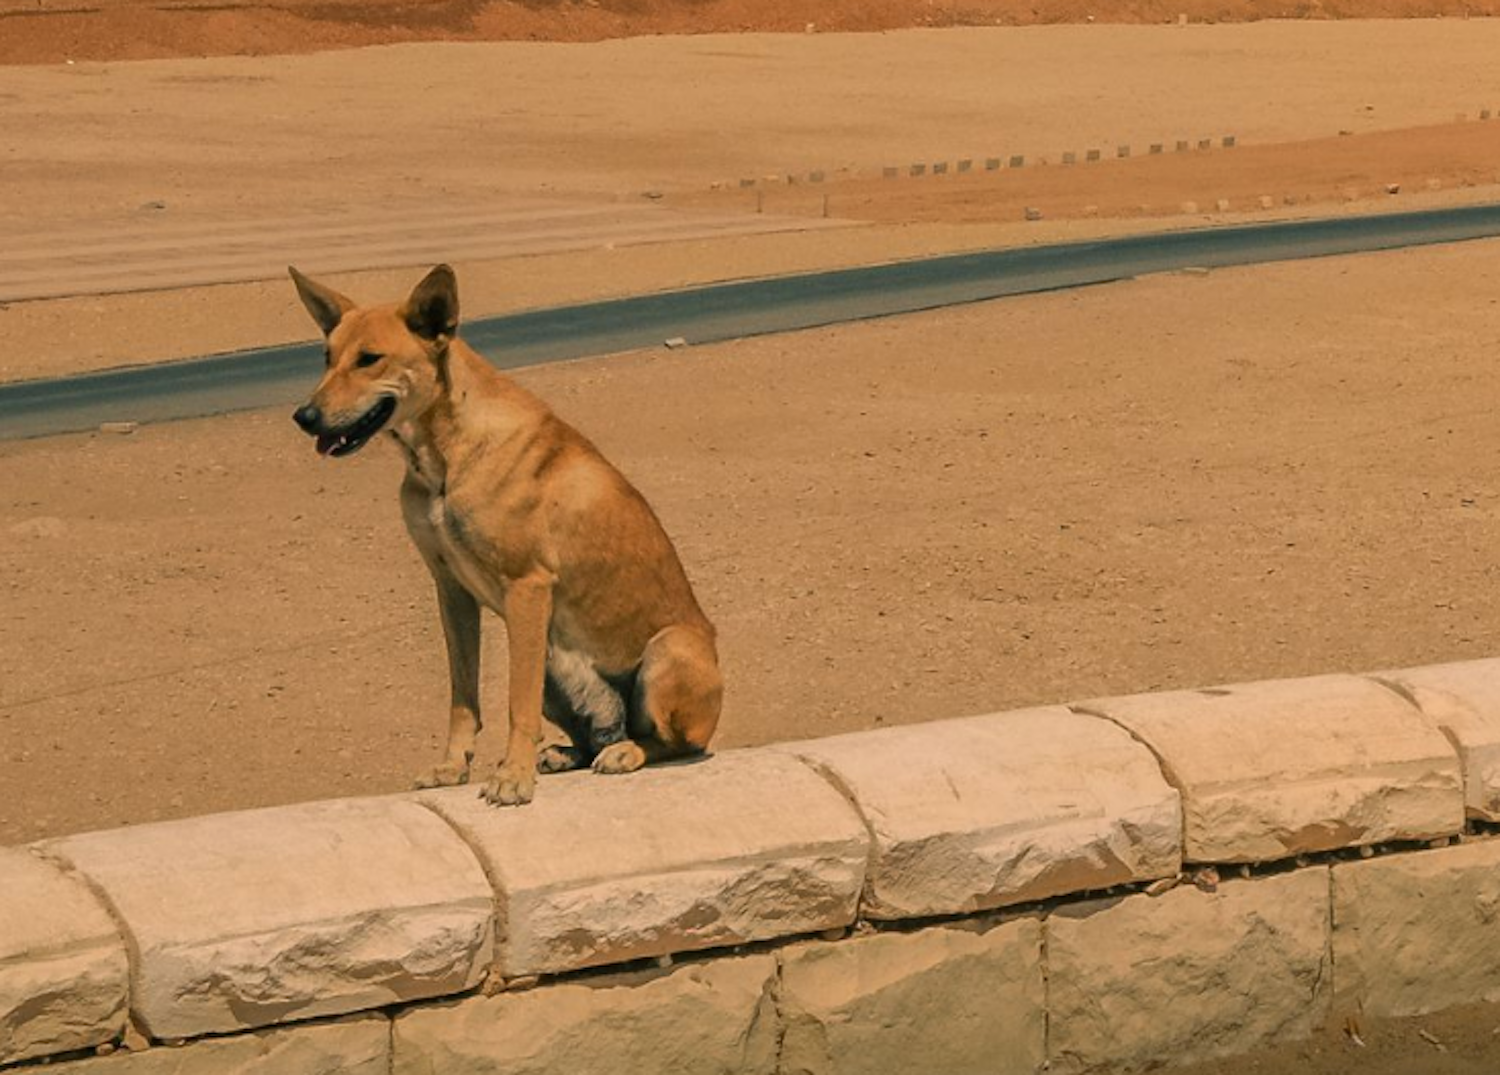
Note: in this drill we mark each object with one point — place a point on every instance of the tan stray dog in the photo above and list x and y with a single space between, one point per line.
514 510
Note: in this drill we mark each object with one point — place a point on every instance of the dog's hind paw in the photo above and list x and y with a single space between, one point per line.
559 759
512 785
623 757
446 775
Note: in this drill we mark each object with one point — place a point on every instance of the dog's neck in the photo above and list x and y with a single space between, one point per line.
476 407
424 461
426 438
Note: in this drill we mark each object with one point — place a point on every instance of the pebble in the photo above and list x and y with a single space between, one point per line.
42 526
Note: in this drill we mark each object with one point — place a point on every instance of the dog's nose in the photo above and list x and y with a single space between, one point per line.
308 417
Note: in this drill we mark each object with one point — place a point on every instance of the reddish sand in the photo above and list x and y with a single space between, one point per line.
138 29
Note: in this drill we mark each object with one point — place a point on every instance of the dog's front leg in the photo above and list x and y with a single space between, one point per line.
460 614
528 613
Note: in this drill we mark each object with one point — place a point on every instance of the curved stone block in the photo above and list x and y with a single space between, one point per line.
247 919
1275 769
63 969
1463 699
990 811
745 845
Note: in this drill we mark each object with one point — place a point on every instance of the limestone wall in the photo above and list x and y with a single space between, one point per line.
1105 885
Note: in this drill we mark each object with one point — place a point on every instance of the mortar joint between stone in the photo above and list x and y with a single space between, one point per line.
1167 774
1405 693
117 919
835 781
497 915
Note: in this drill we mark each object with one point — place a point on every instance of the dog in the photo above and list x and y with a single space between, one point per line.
515 511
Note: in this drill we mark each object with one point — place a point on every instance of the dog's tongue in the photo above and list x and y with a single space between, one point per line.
327 442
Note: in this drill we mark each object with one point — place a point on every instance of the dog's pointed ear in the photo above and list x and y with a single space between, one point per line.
326 305
431 311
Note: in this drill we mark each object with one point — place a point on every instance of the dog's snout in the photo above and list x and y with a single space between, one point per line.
308 417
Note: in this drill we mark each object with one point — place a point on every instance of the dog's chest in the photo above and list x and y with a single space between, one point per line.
459 551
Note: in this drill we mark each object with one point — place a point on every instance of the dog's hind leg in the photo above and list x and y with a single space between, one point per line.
675 707
558 708
592 708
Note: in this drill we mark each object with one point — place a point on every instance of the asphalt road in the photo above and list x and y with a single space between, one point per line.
283 375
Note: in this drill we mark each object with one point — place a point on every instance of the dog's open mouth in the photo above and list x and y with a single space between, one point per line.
353 436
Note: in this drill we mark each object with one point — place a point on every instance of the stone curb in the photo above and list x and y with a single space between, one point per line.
63 968
985 812
249 919
238 922
749 845
1290 767
1463 701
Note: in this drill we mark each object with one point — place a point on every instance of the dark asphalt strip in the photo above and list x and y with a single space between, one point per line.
269 376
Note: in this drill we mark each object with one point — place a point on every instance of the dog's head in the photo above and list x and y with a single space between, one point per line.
385 363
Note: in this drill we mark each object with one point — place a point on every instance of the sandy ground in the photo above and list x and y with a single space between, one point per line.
94 142
1180 480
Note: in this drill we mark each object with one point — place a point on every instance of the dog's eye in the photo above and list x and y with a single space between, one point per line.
367 358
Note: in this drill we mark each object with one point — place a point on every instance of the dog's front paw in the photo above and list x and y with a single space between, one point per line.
623 757
511 785
446 775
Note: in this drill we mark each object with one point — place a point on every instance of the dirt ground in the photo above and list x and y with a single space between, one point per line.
51 31
1177 481
94 145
